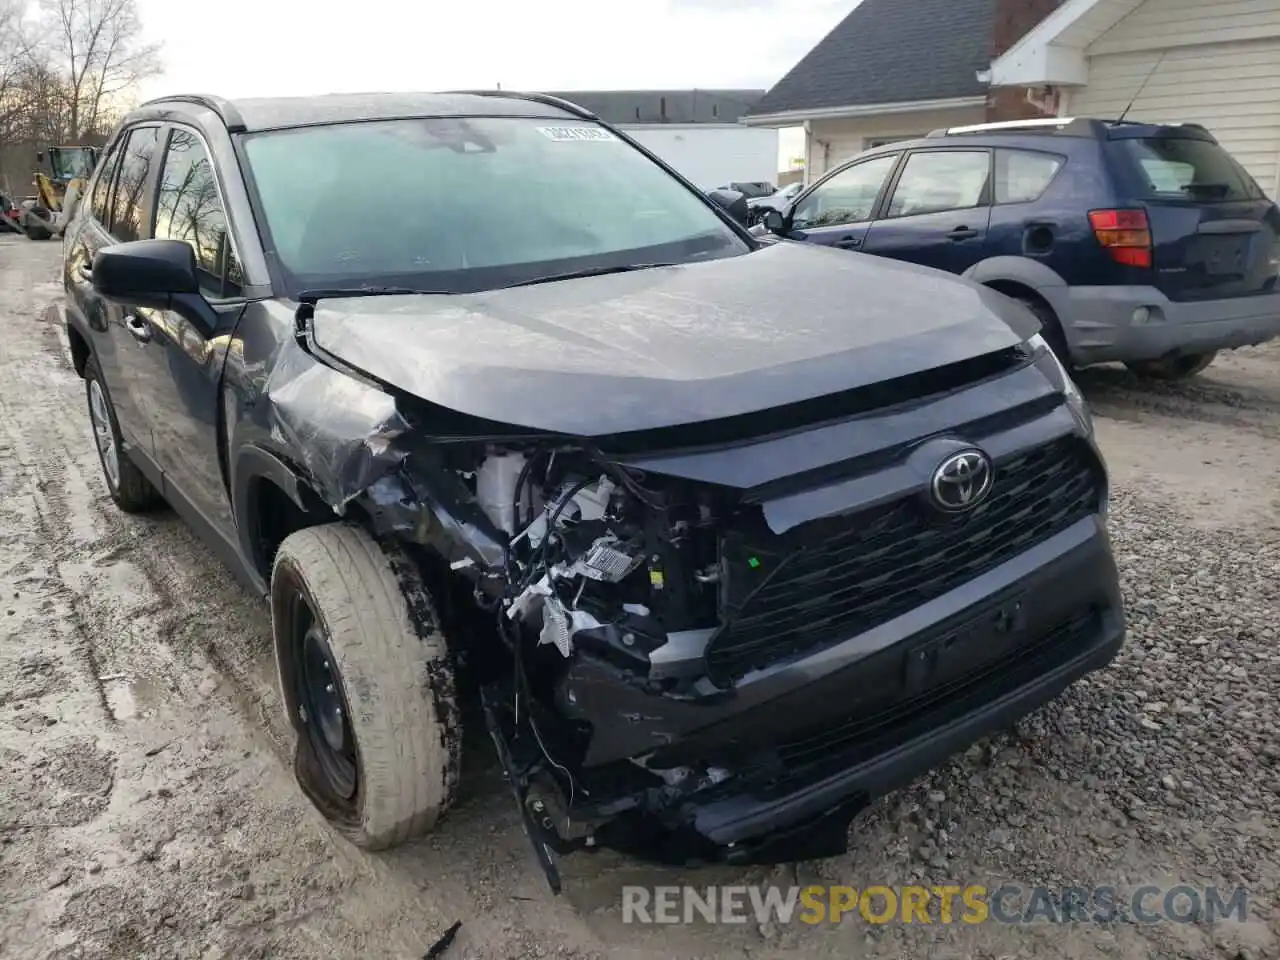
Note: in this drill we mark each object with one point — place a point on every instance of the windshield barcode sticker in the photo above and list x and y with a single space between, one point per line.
576 133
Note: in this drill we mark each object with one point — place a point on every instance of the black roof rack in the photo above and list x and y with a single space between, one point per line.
544 98
225 109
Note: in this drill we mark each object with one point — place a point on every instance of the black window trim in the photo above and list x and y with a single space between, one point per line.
123 141
109 167
890 178
166 134
1062 159
984 200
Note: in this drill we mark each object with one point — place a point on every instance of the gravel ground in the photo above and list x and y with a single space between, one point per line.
147 808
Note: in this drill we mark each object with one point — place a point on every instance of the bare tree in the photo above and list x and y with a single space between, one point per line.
67 69
97 50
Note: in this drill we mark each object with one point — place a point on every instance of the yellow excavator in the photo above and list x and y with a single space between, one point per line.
59 185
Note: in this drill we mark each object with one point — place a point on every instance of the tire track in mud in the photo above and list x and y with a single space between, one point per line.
1117 394
173 614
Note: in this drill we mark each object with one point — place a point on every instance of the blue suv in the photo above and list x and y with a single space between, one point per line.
1147 244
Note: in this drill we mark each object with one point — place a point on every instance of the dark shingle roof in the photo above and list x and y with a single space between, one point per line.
665 106
889 51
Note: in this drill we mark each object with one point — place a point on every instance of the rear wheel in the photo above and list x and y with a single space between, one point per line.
367 679
129 488
1173 368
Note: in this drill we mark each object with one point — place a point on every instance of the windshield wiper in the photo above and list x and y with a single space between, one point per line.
587 272
1221 189
335 293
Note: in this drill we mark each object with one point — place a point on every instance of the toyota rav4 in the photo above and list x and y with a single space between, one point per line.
727 538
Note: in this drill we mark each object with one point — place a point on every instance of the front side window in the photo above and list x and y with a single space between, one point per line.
938 181
465 204
128 216
101 204
848 197
189 208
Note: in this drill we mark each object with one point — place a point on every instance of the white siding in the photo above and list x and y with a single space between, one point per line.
1160 24
713 154
837 140
1231 88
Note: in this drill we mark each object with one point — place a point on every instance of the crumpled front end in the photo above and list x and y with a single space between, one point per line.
720 641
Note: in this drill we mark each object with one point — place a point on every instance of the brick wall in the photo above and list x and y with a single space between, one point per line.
1013 19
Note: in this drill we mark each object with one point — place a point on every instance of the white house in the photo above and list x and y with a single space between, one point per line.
698 132
1213 62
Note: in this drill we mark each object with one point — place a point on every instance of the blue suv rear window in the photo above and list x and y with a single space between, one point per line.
1189 169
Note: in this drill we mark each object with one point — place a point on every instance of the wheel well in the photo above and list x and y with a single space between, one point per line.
273 516
79 350
1019 291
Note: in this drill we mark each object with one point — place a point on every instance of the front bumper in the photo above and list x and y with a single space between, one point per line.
808 746
1099 327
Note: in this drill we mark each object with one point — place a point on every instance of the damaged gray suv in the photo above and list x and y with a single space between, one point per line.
718 539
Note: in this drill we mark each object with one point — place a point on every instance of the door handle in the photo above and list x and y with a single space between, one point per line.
138 328
848 243
962 233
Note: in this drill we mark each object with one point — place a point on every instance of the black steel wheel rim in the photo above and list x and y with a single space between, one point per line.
322 705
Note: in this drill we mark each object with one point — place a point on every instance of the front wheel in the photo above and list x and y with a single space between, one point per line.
128 486
1173 368
368 682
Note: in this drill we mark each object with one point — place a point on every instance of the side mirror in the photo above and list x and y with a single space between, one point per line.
146 272
733 203
774 222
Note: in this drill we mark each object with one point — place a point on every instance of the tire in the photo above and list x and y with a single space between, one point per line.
129 488
389 770
1050 329
1173 368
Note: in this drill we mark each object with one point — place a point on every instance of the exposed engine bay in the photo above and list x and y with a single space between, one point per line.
607 570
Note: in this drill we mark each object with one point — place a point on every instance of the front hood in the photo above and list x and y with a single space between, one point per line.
672 345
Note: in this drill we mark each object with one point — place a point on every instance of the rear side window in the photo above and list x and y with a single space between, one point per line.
1022 176
934 182
129 205
101 204
1187 169
189 208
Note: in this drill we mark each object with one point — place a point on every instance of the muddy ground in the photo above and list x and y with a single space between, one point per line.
147 807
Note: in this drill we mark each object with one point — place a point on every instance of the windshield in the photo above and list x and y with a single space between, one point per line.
70 163
459 205
1189 169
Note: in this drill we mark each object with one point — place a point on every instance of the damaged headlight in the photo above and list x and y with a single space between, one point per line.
1076 402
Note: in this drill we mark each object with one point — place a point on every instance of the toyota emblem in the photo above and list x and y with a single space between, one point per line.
962 481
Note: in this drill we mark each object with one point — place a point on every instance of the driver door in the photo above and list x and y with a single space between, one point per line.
838 211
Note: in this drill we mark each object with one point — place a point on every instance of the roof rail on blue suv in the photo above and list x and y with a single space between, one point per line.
1131 241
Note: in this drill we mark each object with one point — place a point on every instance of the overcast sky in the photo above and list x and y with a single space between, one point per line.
282 47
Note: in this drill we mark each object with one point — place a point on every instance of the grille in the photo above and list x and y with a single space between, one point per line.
870 735
842 576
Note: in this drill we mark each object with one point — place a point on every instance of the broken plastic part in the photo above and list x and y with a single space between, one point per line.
555 626
588 503
529 598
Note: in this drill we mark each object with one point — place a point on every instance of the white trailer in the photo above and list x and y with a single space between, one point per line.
712 154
